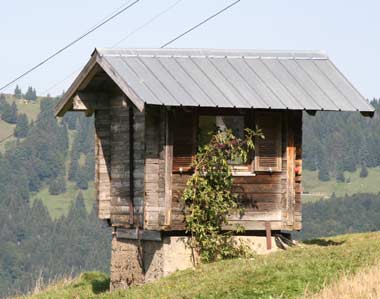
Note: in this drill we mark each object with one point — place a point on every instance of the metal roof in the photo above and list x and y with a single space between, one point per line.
297 80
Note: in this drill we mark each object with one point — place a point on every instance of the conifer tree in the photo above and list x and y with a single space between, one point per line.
18 93
31 94
9 113
363 171
73 169
57 186
323 172
82 179
22 126
339 176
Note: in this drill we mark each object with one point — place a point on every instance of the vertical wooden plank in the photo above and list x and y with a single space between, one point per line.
290 170
138 164
168 166
154 177
298 195
120 168
103 163
131 166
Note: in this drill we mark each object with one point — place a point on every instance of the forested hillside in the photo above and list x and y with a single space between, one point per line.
340 215
337 142
46 154
48 226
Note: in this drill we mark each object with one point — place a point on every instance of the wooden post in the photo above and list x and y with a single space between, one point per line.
168 166
290 171
268 233
131 168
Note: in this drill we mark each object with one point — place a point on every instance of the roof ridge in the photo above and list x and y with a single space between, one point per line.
207 52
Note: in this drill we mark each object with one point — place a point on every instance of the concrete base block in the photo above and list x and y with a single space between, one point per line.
135 262
126 267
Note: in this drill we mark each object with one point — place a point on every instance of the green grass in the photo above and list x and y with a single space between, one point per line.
318 189
285 274
30 109
5 129
59 205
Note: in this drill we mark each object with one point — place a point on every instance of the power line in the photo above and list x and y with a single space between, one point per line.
151 20
70 44
130 34
163 46
200 24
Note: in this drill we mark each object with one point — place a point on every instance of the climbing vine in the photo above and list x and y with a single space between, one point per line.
209 197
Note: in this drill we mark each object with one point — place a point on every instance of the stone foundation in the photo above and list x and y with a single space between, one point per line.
136 262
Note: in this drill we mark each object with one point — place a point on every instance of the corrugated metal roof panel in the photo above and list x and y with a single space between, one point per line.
241 85
342 84
297 80
290 84
253 79
308 84
203 81
125 71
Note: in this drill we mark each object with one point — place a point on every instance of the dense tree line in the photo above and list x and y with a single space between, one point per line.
32 243
344 215
337 142
30 95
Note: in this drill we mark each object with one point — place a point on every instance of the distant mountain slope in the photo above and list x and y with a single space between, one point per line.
33 244
57 204
286 274
315 189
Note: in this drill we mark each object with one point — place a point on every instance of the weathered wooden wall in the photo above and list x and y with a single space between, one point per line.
113 166
155 167
157 186
266 197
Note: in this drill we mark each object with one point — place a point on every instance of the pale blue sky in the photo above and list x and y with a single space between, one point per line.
348 31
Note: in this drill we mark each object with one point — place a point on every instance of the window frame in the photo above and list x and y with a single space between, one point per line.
247 169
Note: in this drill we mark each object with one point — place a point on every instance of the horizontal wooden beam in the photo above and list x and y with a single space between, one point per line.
89 102
137 234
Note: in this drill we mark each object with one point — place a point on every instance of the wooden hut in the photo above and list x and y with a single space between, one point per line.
151 108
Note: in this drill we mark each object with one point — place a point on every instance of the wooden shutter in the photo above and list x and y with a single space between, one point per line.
268 150
184 140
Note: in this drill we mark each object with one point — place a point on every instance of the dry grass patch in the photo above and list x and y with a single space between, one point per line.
363 285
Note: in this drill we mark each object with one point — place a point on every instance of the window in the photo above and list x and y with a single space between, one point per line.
190 130
207 124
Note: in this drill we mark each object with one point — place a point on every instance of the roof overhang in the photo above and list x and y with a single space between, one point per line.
220 78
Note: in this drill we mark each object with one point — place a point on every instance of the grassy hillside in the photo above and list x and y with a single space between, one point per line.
286 274
59 205
315 189
31 109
